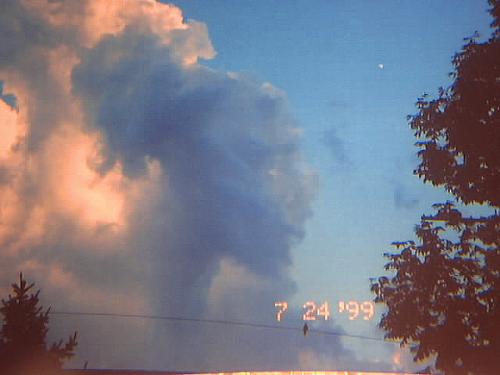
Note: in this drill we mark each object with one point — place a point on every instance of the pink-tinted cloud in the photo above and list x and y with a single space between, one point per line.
93 20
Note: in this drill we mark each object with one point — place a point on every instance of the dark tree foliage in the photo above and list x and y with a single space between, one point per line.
443 298
461 142
23 348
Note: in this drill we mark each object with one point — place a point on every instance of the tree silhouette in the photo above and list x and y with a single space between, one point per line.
443 299
23 348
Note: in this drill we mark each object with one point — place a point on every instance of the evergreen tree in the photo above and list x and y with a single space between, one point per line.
23 334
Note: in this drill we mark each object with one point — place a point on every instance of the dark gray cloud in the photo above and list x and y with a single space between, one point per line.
23 34
217 139
233 189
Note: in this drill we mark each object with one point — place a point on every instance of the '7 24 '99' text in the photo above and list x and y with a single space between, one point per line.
313 311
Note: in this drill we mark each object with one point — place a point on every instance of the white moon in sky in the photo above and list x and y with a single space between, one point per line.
381 66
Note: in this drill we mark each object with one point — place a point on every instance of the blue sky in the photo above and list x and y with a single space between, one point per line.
325 55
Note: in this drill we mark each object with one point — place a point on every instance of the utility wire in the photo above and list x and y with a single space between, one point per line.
214 321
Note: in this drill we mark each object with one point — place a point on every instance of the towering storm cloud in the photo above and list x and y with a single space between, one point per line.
135 180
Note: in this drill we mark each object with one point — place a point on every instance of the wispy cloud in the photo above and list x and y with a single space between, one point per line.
404 198
336 146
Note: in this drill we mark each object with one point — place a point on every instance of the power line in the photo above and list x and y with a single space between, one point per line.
215 321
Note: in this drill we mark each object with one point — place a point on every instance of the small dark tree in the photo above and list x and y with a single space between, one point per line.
22 338
443 299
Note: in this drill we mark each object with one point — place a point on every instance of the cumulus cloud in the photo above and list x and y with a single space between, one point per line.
135 180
